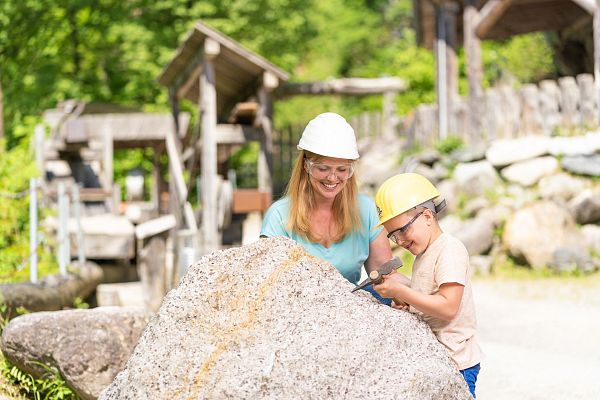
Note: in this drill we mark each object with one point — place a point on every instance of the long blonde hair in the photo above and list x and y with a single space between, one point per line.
346 213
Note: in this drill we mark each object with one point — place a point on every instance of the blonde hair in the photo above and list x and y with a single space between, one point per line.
302 202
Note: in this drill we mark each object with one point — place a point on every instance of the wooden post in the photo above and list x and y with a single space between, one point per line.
388 115
108 158
1 112
208 111
597 57
472 47
265 160
157 178
442 73
451 64
33 226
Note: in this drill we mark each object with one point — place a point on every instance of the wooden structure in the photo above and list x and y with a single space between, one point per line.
443 24
222 77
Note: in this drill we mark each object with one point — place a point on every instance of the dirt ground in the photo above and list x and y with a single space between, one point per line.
541 339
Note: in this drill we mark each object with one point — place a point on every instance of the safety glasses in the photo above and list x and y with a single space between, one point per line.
396 234
323 171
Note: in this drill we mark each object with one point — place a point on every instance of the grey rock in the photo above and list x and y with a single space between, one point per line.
561 187
534 233
496 214
509 151
269 321
88 347
577 145
53 292
475 205
529 172
476 233
585 207
428 156
591 237
468 154
582 165
449 190
481 264
474 179
566 259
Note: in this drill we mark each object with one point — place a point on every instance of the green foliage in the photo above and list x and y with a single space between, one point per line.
449 144
524 58
16 168
245 163
51 386
79 303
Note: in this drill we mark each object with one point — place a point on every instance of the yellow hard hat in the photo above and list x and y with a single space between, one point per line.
403 192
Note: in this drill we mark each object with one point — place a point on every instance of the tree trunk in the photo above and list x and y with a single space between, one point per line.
1 112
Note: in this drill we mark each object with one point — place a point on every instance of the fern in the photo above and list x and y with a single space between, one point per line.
51 386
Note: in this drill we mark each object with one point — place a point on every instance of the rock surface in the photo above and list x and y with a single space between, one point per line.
269 321
88 347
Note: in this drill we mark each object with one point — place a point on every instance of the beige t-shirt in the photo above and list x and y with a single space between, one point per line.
447 260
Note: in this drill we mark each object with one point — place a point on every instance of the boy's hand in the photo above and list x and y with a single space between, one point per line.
400 305
389 287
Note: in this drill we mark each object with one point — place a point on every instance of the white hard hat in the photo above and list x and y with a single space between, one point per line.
329 135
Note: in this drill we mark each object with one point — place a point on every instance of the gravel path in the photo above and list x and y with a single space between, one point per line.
541 339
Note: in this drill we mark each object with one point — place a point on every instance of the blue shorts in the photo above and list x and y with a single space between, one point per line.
470 375
369 289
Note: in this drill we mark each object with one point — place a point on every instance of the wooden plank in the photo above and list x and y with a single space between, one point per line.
155 226
349 86
265 158
176 168
237 134
490 14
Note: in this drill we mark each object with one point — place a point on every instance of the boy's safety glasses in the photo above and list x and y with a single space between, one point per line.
396 235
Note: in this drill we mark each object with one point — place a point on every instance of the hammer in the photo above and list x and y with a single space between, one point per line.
376 276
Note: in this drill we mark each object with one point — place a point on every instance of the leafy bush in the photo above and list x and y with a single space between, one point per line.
50 387
17 166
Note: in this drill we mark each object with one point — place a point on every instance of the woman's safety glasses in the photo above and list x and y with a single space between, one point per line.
323 171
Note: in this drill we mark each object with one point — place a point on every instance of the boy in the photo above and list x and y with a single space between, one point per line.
440 287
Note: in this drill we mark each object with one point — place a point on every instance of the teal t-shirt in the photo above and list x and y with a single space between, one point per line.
347 255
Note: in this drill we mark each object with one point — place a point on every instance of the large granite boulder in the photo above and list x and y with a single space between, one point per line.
533 234
88 347
269 321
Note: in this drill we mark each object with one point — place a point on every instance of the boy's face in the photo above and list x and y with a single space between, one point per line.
411 230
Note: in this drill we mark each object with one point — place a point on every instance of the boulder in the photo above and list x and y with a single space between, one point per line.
534 233
591 237
582 165
576 145
475 178
509 151
529 172
561 187
476 233
585 207
88 347
53 292
269 321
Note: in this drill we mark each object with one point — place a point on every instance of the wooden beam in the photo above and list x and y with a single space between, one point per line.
347 86
442 78
596 28
490 14
175 166
472 46
588 5
155 226
208 112
190 81
265 158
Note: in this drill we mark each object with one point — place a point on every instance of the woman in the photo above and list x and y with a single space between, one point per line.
322 209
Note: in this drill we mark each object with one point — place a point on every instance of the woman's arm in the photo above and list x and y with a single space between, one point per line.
379 252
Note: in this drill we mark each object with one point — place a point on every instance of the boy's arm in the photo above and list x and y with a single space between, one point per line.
443 305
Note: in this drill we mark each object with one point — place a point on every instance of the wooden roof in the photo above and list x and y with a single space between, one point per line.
504 18
238 71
